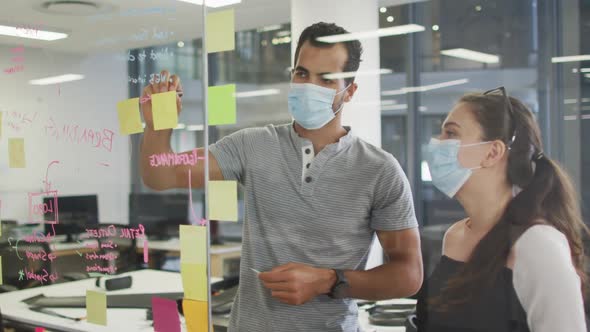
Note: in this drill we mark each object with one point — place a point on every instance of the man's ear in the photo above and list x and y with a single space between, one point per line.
350 92
495 154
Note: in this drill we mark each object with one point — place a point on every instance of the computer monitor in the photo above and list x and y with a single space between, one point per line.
76 213
160 214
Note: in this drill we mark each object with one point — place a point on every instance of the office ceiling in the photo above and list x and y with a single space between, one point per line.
114 25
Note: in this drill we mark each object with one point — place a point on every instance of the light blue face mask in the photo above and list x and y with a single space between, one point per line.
310 105
447 173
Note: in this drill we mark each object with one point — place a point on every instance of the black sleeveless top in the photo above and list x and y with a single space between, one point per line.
495 310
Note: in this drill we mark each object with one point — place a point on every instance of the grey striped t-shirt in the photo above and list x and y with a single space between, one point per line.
318 210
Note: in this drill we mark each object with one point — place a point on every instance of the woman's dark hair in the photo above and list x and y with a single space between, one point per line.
547 196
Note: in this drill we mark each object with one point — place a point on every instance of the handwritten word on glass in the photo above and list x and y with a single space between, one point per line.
43 212
18 58
18 121
153 55
42 277
73 133
111 231
173 159
104 234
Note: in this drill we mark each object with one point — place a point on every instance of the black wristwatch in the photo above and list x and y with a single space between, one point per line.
340 288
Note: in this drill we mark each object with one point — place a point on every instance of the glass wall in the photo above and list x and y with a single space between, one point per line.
61 138
475 46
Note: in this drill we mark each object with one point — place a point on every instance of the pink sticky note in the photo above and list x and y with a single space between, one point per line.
166 318
39 329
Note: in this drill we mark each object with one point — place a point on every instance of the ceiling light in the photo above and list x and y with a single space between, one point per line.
257 93
269 28
195 127
180 44
349 74
283 33
390 19
382 9
585 70
37 34
395 107
424 88
571 58
435 27
213 3
56 79
466 54
392 31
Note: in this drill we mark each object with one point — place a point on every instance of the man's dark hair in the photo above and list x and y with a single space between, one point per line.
322 29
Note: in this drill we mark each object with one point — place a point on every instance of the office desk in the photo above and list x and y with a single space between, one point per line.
144 281
129 320
219 253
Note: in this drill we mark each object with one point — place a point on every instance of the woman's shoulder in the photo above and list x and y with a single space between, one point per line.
453 235
540 238
539 248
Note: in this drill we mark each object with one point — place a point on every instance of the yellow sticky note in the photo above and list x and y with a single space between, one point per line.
223 200
129 119
193 244
196 315
220 29
164 110
16 153
222 104
194 281
96 307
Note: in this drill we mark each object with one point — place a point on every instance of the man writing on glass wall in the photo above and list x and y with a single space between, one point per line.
315 195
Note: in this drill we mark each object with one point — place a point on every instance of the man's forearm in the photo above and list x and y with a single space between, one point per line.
396 279
156 142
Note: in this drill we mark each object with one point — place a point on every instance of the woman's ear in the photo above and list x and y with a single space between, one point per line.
495 154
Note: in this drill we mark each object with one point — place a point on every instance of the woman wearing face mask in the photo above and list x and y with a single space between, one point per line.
516 262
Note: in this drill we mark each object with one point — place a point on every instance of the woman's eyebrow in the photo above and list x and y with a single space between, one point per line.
451 123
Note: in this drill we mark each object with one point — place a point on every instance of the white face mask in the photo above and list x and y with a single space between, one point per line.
310 105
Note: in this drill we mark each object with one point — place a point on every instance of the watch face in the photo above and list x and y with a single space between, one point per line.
340 290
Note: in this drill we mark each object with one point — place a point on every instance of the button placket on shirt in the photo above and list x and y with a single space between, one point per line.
307 156
310 176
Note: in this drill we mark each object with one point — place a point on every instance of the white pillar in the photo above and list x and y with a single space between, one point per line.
363 112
